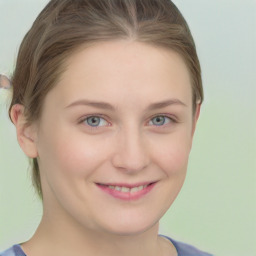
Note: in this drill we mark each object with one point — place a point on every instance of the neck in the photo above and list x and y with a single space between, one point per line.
54 238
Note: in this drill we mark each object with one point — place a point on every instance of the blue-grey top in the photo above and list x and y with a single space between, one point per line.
182 249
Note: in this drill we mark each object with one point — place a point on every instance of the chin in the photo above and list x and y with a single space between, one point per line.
132 227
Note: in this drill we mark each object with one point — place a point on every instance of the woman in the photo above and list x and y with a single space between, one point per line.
106 96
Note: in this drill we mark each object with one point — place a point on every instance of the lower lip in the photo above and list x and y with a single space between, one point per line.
127 196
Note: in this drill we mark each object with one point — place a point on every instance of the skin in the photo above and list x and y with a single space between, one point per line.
129 145
4 82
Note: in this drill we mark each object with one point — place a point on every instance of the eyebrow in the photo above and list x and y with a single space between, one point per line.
96 104
166 103
107 106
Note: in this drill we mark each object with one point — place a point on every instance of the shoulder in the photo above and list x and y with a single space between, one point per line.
186 249
13 251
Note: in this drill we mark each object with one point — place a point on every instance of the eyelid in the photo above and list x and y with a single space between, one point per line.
82 120
172 117
173 120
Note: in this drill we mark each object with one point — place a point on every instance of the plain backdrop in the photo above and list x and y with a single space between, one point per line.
216 209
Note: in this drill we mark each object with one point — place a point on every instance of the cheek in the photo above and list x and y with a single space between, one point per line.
172 154
72 155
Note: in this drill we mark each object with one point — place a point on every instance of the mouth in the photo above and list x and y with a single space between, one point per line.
127 191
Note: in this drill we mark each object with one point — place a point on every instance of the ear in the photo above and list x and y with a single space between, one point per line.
195 118
4 82
26 134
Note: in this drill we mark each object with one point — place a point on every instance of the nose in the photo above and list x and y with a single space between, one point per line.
131 153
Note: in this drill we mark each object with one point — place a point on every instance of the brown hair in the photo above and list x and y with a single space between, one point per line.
65 25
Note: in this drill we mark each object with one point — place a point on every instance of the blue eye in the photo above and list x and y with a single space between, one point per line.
95 121
160 120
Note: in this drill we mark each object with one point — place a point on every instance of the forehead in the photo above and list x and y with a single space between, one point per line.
124 68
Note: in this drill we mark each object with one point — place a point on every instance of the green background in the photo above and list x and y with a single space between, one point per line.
216 209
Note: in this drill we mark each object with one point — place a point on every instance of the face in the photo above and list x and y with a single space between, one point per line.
114 138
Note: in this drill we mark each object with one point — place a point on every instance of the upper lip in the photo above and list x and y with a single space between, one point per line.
127 185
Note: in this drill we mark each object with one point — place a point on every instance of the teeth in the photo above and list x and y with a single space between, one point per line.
137 189
126 190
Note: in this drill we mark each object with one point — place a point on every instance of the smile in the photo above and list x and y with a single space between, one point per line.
127 192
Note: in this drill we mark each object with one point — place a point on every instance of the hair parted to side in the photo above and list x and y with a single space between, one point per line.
65 25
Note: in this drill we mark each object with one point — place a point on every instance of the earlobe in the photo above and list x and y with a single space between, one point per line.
196 117
198 109
26 134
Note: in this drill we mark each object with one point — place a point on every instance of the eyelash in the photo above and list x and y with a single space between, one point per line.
86 118
171 120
